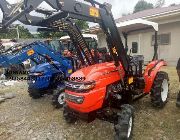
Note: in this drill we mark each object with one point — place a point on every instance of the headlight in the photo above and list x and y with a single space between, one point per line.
87 86
74 99
80 87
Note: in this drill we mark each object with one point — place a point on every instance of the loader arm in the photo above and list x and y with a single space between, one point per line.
67 26
92 12
14 50
31 51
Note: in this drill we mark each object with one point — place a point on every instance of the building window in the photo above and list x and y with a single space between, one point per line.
162 39
134 47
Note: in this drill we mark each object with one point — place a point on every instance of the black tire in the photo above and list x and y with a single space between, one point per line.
160 90
178 100
56 94
68 115
124 126
35 94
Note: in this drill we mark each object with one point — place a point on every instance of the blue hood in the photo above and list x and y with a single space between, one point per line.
45 67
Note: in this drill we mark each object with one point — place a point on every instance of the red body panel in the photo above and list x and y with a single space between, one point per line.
149 77
105 74
93 100
98 72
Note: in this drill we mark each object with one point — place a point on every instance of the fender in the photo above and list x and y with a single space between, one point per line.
150 73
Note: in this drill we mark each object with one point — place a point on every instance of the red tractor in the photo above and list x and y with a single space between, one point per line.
103 90
106 86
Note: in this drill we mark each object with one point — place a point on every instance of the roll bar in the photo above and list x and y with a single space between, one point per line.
127 27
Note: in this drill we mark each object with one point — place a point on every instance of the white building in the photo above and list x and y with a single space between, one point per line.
168 19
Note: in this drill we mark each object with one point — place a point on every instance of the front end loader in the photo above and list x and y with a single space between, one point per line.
107 89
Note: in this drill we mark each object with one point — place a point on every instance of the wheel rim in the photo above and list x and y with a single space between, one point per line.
61 98
129 127
164 92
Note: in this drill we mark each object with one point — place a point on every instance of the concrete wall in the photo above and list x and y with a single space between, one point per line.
170 52
101 40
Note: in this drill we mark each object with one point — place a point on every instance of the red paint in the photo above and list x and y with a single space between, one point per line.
105 74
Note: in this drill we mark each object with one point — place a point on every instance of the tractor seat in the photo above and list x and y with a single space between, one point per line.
137 64
138 59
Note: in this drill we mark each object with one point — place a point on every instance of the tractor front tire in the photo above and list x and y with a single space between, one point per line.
68 115
35 94
58 98
160 90
124 126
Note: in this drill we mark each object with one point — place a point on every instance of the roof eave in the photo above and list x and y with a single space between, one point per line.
165 14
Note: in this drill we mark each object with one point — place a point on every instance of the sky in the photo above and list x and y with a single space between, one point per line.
119 7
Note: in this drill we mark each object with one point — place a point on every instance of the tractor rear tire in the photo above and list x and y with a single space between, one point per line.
178 100
35 94
160 90
124 126
58 98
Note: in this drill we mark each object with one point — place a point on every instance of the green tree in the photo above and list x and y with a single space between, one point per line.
142 5
80 23
24 32
125 14
12 33
159 3
46 34
174 4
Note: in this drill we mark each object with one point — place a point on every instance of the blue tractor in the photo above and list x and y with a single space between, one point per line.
47 75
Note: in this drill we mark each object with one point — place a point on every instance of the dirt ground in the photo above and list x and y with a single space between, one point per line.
23 118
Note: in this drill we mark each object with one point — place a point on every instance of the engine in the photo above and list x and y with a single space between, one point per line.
114 92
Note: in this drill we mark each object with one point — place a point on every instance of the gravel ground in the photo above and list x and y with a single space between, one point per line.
23 118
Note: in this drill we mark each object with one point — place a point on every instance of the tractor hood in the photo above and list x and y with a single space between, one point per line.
44 67
95 72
